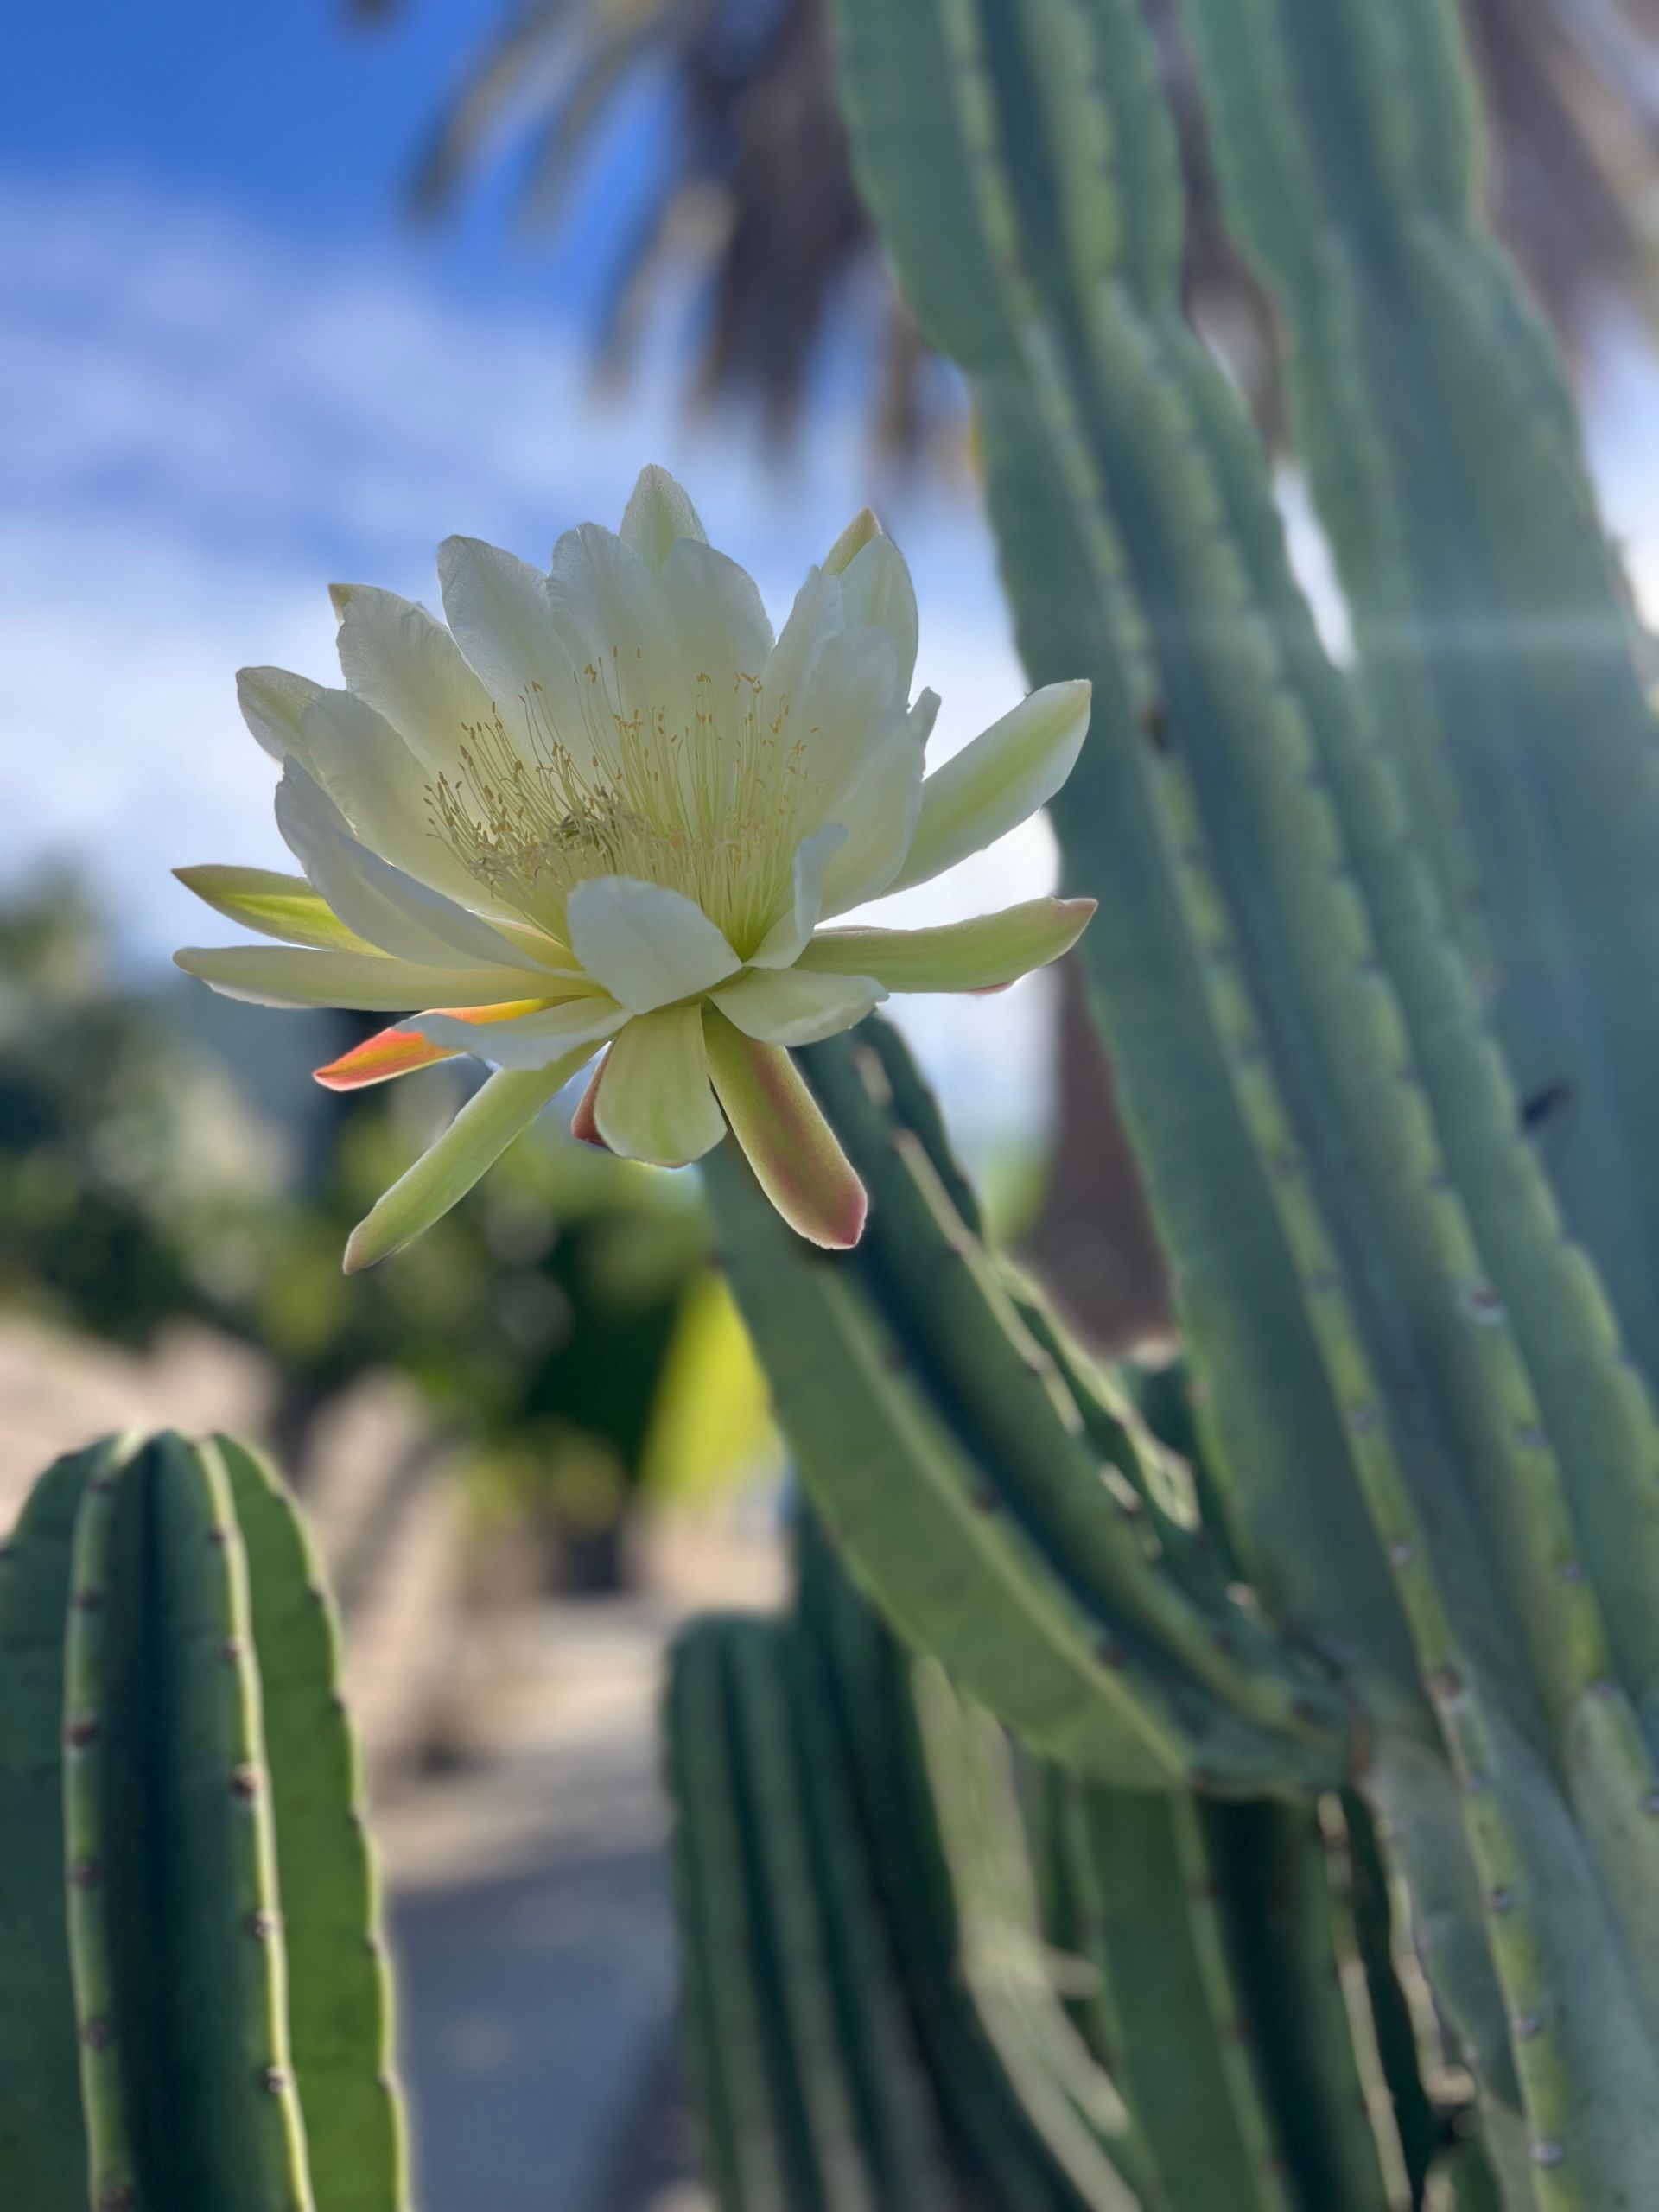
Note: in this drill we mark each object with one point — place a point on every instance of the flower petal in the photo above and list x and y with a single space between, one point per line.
723 631
876 592
473 1141
283 906
400 1050
881 814
815 617
408 668
782 944
788 1006
499 615
280 974
980 955
273 704
610 611
530 1035
381 788
864 525
993 783
645 944
380 902
653 1101
658 515
850 706
792 1149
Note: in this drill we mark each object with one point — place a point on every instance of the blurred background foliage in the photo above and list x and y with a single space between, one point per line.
163 1157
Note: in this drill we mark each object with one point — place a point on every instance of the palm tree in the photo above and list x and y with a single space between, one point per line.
753 193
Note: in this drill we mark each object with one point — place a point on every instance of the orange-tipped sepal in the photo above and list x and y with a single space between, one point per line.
397 1052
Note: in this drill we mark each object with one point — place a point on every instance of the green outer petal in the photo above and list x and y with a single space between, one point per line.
529 1040
645 944
993 783
653 1101
658 514
446 1170
785 1006
792 1149
373 982
783 943
283 906
980 955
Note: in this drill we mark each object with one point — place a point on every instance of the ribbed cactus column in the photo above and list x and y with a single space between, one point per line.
1494 631
1440 1458
922 1970
194 2007
1017 1525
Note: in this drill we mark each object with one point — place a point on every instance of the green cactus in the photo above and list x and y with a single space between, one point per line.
922 1970
195 2008
1350 924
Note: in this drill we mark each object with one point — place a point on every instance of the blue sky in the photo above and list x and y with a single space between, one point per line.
230 370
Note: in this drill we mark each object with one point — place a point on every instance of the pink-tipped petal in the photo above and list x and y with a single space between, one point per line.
792 1149
397 1052
584 1125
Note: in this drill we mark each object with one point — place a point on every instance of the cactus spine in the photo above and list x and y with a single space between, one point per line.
196 2009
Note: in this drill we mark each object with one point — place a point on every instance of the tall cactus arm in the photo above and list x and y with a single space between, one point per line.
900 2117
813 2059
1278 1437
929 1533
43 2139
1084 2120
727 2030
1378 1950
1329 1072
1493 630
187 2082
1010 1397
868 1701
1165 2015
879 1368
338 1994
1289 1941
191 2012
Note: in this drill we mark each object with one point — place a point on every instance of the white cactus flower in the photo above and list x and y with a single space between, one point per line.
604 809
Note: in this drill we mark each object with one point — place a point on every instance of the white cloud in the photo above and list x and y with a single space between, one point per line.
211 424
